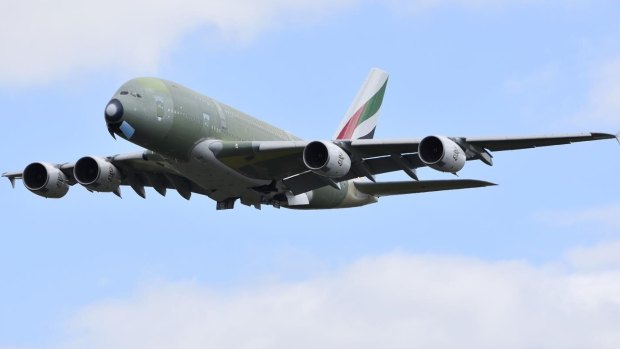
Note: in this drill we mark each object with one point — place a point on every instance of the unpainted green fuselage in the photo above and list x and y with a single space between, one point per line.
172 120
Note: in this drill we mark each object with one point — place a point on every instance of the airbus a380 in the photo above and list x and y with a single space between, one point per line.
195 144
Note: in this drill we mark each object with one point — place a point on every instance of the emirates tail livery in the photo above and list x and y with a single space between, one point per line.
195 144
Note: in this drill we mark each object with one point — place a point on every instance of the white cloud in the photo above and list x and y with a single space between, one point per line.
44 40
391 301
606 216
602 256
416 6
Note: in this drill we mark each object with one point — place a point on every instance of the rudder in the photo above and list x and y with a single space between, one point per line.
360 120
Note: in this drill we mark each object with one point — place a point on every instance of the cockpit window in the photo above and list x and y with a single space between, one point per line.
132 93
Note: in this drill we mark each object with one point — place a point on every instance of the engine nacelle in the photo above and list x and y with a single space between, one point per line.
97 174
326 159
45 180
442 154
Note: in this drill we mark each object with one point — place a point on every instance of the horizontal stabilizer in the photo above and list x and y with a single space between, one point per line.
412 187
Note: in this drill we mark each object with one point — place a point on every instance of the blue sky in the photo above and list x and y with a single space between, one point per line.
532 262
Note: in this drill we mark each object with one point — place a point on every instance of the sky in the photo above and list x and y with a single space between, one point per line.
532 262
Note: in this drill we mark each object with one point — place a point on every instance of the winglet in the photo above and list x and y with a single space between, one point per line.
618 137
11 177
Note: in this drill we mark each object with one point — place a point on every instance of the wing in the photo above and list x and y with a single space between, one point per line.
369 147
514 143
137 170
282 160
149 169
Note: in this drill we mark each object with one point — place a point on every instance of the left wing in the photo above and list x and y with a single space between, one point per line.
371 147
283 160
514 143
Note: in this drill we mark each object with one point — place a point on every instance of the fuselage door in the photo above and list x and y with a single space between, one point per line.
159 102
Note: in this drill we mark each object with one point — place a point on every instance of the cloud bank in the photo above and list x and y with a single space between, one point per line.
390 301
43 40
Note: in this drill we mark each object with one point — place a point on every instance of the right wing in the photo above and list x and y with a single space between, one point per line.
137 170
152 170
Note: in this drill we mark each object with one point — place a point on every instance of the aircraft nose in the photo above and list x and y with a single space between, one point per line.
114 111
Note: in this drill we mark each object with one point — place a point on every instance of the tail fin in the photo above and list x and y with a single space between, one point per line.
360 121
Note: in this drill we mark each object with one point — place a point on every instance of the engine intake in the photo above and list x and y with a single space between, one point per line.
442 154
326 159
97 174
45 180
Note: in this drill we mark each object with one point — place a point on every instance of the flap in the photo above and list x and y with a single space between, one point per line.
412 187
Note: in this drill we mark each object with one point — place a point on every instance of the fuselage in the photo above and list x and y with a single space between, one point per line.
181 124
170 119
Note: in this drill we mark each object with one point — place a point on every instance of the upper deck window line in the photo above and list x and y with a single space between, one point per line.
132 93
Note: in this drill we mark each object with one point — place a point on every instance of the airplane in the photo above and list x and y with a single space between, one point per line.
195 144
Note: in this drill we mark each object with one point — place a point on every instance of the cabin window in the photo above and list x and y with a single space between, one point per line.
124 93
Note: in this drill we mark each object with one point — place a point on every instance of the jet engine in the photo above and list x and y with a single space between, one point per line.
97 174
326 159
45 180
442 154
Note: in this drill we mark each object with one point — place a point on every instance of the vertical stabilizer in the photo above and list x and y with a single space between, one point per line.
360 121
